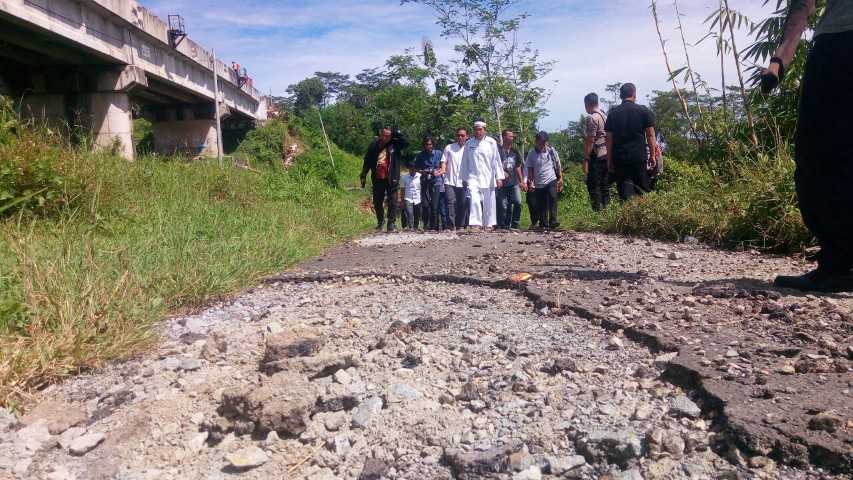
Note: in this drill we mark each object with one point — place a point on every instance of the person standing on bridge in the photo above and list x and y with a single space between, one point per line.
382 160
483 173
823 147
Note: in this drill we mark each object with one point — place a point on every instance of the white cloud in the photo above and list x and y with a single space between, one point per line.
593 43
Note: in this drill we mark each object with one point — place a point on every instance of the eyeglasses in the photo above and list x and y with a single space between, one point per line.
461 135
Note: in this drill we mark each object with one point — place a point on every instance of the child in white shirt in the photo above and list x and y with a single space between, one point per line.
411 196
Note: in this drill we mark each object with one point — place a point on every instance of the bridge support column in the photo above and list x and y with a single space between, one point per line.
82 102
111 121
188 130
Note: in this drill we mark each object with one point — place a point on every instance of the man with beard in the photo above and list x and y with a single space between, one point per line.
482 173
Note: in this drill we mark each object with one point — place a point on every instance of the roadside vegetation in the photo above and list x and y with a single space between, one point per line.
94 249
728 174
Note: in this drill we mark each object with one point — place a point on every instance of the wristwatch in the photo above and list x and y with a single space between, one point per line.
781 67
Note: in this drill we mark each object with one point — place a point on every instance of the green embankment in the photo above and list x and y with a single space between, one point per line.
94 249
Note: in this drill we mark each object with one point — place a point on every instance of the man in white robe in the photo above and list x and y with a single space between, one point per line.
482 172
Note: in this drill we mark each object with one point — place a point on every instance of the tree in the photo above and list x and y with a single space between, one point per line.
306 94
334 83
495 67
613 90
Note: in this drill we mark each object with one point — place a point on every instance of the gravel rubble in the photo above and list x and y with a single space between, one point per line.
413 356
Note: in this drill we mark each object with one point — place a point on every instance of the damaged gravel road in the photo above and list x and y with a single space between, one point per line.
413 356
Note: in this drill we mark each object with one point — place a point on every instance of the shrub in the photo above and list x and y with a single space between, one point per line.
33 171
741 203
265 145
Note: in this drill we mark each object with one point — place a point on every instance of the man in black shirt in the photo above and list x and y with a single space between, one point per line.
630 129
509 194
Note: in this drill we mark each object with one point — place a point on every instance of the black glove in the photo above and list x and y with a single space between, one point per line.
769 81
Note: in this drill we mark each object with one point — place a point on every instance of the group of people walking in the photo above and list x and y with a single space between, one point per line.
473 184
476 183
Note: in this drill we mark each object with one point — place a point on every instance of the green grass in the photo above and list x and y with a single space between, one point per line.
742 204
87 281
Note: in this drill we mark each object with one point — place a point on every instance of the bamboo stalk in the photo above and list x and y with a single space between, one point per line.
690 71
746 108
722 65
672 77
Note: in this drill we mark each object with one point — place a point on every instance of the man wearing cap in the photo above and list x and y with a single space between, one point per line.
823 147
545 179
482 172
630 139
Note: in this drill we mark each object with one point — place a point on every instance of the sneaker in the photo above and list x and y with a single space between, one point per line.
535 226
379 227
554 225
392 227
818 280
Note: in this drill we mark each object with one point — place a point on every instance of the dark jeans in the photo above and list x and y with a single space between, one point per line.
824 149
430 196
546 200
530 198
383 189
509 206
631 179
598 183
458 207
442 209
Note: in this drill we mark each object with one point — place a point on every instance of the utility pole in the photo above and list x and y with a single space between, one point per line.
216 103
326 137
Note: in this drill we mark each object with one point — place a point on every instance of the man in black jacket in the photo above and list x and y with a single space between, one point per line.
383 161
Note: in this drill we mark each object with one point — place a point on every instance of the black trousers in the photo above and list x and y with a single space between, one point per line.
530 199
546 200
824 149
632 179
383 189
598 183
430 197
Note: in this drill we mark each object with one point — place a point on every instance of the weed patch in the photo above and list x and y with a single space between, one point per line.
85 281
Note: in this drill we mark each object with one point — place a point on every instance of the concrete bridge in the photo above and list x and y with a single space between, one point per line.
92 65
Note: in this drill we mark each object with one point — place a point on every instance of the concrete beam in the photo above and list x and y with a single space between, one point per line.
96 101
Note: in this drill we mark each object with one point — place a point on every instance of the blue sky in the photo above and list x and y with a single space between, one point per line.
593 43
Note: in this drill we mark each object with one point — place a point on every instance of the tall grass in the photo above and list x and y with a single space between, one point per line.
86 281
742 202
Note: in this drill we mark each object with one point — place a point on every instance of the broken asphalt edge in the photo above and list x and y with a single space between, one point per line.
796 451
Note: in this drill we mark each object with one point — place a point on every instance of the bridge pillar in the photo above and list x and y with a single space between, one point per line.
188 130
83 101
